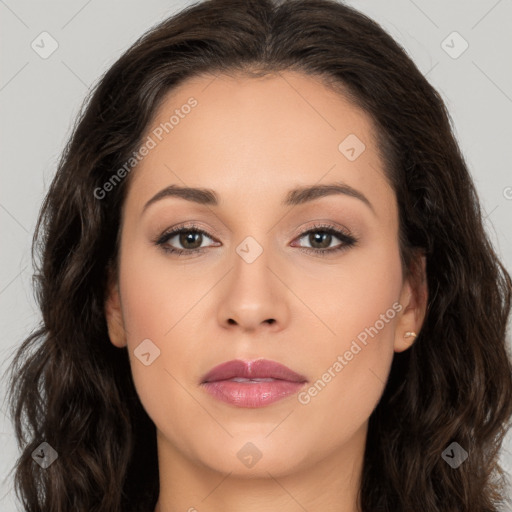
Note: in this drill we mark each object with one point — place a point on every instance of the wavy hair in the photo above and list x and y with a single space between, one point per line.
69 386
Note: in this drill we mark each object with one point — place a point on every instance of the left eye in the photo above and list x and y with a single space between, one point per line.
320 238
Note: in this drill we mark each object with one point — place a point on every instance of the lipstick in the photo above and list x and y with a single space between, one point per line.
251 384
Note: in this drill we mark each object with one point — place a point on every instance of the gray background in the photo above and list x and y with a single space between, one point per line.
40 98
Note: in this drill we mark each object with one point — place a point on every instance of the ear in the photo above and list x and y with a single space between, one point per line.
413 298
113 312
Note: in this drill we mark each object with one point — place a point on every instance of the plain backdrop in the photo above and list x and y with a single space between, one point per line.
40 98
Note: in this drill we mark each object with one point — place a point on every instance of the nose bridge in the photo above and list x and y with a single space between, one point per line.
251 278
253 294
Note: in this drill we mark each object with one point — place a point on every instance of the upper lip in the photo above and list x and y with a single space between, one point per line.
258 369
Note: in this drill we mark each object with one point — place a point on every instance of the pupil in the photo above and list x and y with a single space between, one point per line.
185 238
317 238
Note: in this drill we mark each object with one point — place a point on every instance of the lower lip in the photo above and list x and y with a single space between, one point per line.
251 394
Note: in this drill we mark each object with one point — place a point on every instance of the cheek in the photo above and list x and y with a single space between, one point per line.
359 307
156 293
155 301
153 312
352 296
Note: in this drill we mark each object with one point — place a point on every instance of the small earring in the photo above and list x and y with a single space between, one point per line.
408 334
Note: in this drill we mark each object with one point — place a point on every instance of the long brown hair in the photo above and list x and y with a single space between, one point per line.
71 388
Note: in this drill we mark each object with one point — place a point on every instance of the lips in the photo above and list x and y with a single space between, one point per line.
252 370
251 383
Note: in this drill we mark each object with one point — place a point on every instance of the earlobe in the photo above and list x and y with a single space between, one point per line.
414 300
114 315
406 342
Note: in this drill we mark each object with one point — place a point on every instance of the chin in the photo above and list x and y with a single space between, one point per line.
252 459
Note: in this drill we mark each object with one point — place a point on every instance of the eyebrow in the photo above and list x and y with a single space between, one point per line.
294 197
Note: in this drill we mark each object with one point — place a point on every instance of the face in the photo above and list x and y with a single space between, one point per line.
261 269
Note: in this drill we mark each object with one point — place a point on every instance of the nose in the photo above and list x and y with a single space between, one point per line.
254 296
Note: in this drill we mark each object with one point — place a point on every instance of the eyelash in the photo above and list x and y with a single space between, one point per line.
347 240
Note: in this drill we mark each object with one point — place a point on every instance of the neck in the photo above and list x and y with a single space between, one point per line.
331 484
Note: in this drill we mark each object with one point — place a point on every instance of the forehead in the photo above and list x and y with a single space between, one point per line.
249 136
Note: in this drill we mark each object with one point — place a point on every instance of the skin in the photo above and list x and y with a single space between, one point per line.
251 140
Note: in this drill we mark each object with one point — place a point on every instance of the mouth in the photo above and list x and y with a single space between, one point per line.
251 384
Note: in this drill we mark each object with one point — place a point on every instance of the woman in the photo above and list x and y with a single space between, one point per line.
334 336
